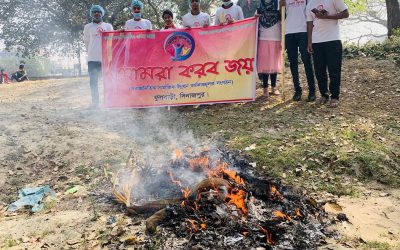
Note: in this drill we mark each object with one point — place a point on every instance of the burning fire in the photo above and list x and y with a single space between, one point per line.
223 185
282 215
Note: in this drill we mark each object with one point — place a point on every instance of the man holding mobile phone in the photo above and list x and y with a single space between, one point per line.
325 45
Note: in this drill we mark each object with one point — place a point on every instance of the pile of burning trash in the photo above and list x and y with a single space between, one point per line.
214 199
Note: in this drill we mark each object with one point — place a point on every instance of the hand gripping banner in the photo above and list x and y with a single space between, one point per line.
180 67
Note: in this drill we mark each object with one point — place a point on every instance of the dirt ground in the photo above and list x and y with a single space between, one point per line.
49 136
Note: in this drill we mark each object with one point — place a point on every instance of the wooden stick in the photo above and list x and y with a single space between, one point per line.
283 14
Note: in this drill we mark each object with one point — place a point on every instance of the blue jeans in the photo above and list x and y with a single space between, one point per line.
94 69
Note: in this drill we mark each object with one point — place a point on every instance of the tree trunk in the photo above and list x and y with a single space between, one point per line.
78 54
393 15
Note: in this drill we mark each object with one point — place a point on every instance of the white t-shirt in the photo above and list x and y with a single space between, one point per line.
222 15
142 24
92 37
325 30
271 34
296 18
193 21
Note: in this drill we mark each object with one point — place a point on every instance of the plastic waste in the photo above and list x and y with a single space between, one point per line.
31 197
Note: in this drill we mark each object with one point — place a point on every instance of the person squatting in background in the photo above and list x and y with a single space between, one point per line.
228 13
269 56
3 77
295 40
137 22
168 18
20 75
325 45
92 37
195 18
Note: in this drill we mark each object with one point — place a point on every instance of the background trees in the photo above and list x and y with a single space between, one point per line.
48 27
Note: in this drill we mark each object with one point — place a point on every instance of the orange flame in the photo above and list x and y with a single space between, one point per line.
238 199
298 213
193 225
282 215
276 193
177 155
202 162
234 176
173 179
186 192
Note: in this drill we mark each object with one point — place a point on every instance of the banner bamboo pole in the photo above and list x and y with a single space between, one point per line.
283 14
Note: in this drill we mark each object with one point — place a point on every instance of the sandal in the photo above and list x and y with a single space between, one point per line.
265 92
275 91
323 100
334 103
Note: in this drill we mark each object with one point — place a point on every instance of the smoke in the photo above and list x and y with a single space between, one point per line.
156 164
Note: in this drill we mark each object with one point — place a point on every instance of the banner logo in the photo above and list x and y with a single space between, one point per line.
179 46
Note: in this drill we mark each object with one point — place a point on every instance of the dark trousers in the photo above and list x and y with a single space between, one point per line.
15 77
294 43
328 57
94 70
264 78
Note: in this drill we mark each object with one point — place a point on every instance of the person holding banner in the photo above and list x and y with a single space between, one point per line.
325 45
228 13
295 40
269 45
92 38
137 22
168 18
195 18
249 7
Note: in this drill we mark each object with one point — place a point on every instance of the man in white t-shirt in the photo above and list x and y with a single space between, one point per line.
137 22
295 41
195 18
92 38
325 45
228 13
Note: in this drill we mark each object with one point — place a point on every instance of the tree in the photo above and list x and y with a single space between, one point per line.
45 27
393 15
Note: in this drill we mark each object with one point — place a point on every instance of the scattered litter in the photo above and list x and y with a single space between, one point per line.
31 197
72 190
251 147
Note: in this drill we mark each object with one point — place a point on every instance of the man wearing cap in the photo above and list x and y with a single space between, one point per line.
195 18
137 22
92 37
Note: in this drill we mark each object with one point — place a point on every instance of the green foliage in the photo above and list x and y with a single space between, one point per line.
357 6
389 49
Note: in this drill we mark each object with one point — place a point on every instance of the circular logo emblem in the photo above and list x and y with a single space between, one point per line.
179 45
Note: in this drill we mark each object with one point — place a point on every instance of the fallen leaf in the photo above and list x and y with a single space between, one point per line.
332 207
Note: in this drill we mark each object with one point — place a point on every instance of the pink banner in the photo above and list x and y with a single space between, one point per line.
180 67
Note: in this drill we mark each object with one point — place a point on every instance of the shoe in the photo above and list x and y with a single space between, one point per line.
275 91
265 92
334 103
297 96
323 100
311 97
